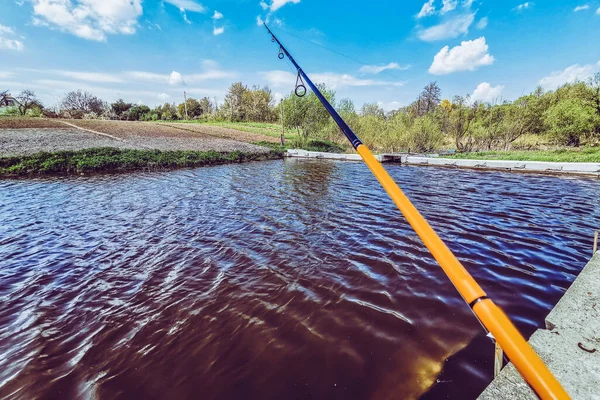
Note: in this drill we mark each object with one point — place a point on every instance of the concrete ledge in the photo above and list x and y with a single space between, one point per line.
570 347
592 169
508 165
328 156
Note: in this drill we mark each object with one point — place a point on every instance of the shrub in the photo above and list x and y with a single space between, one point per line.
425 135
569 121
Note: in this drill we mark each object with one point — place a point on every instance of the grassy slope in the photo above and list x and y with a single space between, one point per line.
117 160
591 154
273 130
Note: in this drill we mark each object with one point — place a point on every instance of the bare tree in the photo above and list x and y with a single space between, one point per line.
4 98
27 100
82 101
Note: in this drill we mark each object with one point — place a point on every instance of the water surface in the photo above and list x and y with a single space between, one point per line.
271 280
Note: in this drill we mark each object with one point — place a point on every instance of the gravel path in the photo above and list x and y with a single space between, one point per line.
42 135
17 142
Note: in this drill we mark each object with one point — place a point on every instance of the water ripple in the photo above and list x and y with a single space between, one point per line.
283 279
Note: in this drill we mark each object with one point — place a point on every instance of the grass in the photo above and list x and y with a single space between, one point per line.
267 129
590 154
119 160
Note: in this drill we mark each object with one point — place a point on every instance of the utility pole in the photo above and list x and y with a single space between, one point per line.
185 104
282 125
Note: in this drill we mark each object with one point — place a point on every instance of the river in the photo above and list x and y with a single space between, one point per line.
273 280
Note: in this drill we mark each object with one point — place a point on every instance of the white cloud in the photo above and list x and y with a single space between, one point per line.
598 11
276 4
218 31
389 106
8 43
376 69
524 6
427 9
89 76
217 15
187 5
581 8
6 74
6 29
184 15
163 96
448 5
88 19
482 23
467 3
469 56
279 78
449 29
259 20
572 73
487 93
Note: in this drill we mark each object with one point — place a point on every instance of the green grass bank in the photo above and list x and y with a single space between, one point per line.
590 154
119 160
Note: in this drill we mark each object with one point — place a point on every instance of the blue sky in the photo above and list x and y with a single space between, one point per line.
151 51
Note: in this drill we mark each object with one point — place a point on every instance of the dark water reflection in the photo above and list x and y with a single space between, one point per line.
283 279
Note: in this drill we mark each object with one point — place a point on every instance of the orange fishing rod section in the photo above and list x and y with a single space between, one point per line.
520 353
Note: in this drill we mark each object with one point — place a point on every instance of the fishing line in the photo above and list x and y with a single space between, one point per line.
362 64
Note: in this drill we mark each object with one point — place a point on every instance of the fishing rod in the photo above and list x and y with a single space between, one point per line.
520 353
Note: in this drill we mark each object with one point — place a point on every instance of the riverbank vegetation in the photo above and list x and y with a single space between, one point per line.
568 117
120 160
561 155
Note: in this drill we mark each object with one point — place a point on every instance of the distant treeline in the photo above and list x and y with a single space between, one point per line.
567 116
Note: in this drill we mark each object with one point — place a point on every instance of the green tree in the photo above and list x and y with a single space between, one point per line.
137 113
306 114
458 123
120 107
570 120
168 112
233 107
194 109
373 110
425 135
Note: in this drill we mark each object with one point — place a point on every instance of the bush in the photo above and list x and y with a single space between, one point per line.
425 135
569 121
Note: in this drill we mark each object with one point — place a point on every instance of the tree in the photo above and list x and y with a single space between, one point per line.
167 112
570 120
194 109
119 107
206 105
257 105
459 121
594 84
425 135
27 101
429 99
373 110
307 114
81 102
233 105
137 113
346 107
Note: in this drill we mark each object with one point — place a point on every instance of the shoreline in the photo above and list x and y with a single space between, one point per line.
110 160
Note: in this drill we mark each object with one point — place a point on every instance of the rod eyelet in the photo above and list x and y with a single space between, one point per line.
300 90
